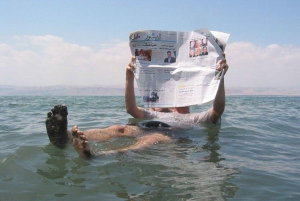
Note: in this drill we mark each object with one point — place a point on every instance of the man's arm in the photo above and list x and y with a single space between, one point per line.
131 107
219 102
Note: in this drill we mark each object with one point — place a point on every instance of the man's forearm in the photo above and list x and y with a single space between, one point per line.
129 92
219 103
130 102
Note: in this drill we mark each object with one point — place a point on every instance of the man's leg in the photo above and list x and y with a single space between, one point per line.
82 146
112 132
146 141
57 123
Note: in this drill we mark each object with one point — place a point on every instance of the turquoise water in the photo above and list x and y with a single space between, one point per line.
253 155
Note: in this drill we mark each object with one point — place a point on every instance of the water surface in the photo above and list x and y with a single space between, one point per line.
253 155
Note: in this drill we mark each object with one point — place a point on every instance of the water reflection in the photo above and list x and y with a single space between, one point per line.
62 169
191 169
188 169
56 163
211 145
228 189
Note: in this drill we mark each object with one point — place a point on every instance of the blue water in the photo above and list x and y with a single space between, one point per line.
253 155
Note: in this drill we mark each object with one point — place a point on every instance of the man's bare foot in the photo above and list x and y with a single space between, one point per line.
81 143
56 125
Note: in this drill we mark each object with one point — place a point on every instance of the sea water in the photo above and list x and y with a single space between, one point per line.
253 155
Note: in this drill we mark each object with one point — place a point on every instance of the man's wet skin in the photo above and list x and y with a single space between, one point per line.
82 146
81 143
56 125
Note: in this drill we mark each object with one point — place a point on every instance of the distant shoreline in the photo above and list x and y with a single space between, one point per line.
64 90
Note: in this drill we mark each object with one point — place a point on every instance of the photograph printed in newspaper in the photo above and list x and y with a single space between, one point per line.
176 69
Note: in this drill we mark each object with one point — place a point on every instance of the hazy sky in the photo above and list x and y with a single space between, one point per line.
85 42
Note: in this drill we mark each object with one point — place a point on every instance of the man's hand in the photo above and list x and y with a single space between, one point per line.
131 65
223 65
131 107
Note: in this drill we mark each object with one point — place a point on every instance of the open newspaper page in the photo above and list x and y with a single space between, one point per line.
176 69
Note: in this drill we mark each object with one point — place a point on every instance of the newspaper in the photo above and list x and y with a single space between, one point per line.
176 69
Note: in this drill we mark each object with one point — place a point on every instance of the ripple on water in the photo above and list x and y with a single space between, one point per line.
253 155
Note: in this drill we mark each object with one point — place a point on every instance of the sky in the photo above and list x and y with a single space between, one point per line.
85 43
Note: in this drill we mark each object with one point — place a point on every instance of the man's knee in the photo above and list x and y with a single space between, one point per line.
118 128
